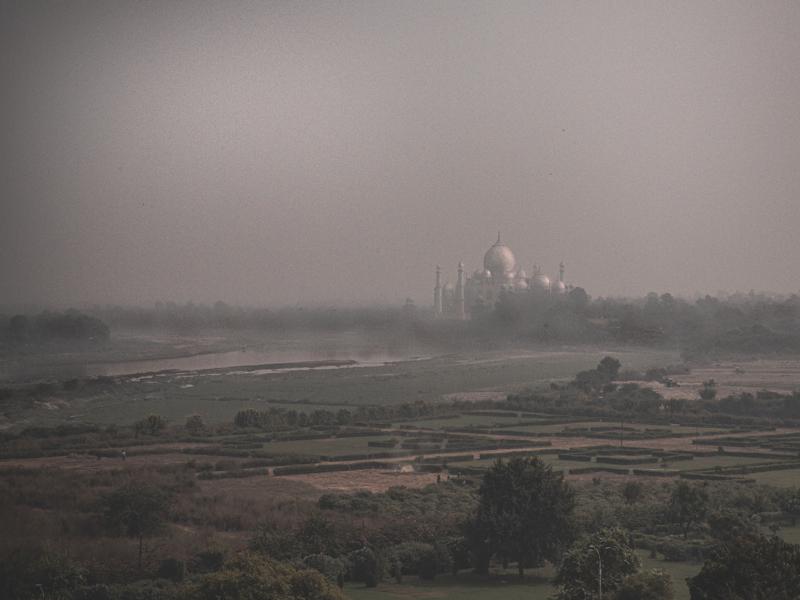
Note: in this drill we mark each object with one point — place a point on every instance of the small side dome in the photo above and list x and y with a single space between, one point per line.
541 282
559 287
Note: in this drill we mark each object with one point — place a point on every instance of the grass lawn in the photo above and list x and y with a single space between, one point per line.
464 585
505 586
788 534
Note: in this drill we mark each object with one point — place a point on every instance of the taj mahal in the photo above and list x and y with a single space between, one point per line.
500 275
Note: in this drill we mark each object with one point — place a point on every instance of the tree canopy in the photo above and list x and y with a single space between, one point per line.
137 511
750 568
524 514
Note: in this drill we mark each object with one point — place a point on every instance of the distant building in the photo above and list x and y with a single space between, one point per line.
500 274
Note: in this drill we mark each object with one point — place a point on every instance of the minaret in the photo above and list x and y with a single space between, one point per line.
460 311
561 272
437 293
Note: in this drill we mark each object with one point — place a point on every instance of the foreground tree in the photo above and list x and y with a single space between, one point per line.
524 514
750 568
137 511
579 573
688 505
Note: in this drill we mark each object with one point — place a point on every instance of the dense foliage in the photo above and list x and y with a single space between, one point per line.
524 514
750 568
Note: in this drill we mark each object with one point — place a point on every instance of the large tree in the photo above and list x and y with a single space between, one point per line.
524 514
750 568
137 511
688 505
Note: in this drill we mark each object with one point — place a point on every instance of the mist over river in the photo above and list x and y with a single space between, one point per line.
300 350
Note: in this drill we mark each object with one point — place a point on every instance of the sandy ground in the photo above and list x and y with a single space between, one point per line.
734 377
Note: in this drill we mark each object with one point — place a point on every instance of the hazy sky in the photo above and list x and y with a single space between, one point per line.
272 153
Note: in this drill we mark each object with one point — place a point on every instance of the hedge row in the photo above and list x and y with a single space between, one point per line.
575 457
705 476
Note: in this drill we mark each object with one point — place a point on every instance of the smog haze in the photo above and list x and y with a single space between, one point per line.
334 153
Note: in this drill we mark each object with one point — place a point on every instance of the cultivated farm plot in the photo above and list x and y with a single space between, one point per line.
703 463
706 463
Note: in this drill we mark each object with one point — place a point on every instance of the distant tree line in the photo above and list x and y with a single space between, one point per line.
278 419
741 323
49 326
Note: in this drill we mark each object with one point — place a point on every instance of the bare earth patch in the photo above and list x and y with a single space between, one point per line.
734 377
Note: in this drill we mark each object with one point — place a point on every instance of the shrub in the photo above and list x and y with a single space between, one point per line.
173 569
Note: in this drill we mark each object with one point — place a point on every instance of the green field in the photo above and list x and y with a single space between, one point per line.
463 585
217 397
679 571
789 534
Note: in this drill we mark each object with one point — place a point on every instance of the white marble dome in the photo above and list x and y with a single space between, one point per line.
499 259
